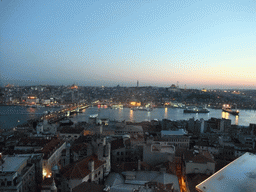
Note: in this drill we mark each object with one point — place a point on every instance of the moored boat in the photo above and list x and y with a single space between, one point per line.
142 109
196 110
227 108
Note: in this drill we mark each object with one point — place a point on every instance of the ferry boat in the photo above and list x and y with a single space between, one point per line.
227 108
196 110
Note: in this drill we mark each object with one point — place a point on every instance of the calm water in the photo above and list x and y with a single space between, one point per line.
11 116
245 117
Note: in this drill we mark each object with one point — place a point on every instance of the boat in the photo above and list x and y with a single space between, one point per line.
196 110
227 108
117 107
142 109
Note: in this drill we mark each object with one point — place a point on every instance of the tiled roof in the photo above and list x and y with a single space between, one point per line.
80 169
50 147
202 157
79 147
34 142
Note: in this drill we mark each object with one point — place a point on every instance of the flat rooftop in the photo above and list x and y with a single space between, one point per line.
12 164
238 176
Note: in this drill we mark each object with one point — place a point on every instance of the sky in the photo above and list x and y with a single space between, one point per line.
197 43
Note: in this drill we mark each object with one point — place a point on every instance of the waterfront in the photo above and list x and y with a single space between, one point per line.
11 116
245 117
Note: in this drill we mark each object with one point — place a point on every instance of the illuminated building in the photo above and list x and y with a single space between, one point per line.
135 104
52 155
32 100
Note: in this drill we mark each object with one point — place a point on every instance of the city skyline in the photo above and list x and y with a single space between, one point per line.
93 43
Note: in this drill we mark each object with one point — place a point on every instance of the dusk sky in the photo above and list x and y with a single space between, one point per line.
199 43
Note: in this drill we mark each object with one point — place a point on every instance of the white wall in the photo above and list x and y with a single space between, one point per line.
202 167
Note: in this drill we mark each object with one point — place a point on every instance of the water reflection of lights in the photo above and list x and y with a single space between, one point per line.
149 116
225 115
166 113
236 119
131 115
31 110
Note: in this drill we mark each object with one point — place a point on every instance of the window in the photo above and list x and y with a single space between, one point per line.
117 153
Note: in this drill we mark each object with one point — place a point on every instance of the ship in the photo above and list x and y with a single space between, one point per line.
227 108
142 109
196 110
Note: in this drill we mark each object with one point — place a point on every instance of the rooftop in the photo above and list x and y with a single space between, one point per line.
178 132
71 130
80 169
50 147
239 175
118 183
13 163
33 142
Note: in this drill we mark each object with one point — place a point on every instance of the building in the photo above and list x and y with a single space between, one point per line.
156 152
140 181
31 144
52 155
199 162
86 186
70 134
48 185
89 169
177 138
237 176
93 144
132 130
17 174
44 128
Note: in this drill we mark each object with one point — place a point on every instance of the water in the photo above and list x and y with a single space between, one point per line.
11 116
245 117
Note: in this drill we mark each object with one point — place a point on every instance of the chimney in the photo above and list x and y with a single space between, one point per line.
91 165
